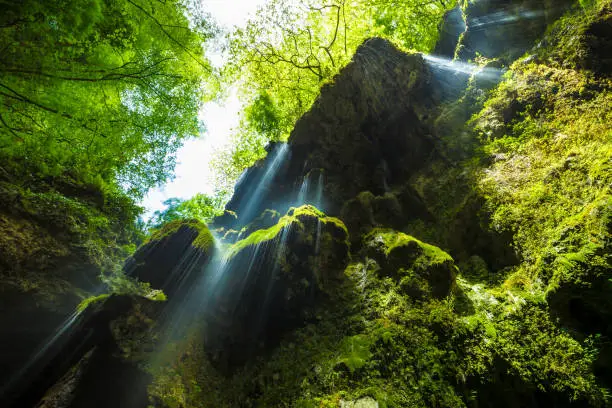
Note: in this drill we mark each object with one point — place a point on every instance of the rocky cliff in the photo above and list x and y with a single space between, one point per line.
436 233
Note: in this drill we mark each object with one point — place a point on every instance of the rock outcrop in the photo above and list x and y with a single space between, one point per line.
272 281
172 257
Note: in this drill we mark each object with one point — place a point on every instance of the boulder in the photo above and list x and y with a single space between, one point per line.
90 363
422 270
172 256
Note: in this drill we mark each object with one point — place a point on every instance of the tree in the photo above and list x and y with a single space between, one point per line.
291 48
200 207
106 89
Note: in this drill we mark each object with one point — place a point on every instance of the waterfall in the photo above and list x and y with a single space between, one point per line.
311 192
278 156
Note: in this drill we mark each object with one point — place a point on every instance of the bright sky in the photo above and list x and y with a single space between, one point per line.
193 171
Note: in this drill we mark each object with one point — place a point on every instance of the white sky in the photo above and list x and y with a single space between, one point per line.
193 171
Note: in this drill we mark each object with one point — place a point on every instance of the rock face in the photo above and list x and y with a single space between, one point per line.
367 127
271 282
506 29
86 365
172 257
49 259
451 28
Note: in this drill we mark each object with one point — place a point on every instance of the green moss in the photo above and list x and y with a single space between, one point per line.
171 227
204 241
394 241
294 217
85 303
551 185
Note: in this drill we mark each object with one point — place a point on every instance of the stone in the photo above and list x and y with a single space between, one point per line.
273 280
171 254
422 270
366 402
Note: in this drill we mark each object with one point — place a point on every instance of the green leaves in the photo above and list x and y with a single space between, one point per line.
291 48
355 351
200 207
101 87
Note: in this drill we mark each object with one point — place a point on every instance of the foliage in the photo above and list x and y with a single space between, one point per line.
200 207
203 240
551 183
120 284
291 48
106 90
293 220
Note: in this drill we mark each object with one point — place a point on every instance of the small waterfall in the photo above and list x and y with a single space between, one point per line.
311 192
303 194
319 196
248 210
277 246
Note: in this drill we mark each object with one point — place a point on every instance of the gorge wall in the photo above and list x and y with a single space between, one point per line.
435 233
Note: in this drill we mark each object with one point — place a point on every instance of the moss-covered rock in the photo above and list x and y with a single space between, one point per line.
172 256
390 210
98 351
271 281
266 219
420 268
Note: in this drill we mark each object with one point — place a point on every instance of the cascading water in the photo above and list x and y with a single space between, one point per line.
279 155
311 192
42 354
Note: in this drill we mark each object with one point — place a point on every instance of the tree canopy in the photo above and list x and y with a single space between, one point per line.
200 207
105 89
291 48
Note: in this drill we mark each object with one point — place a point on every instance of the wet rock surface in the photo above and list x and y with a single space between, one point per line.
272 280
506 29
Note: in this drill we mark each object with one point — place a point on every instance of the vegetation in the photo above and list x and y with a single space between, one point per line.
483 281
95 99
292 221
200 207
290 49
105 90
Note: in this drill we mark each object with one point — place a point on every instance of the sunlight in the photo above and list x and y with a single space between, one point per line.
194 173
505 17
462 67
